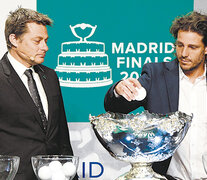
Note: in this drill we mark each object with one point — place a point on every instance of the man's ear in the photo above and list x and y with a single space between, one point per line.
13 39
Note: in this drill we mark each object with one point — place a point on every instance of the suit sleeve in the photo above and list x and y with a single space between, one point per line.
120 104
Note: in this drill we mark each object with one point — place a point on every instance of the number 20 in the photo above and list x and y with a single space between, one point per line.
133 74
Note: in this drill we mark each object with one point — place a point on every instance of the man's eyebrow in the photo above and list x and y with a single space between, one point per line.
40 37
177 41
196 45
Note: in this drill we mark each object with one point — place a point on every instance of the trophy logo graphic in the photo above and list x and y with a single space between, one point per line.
83 63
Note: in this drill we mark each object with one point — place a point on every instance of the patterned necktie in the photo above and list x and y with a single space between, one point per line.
35 96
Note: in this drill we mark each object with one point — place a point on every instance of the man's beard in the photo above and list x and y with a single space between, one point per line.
191 68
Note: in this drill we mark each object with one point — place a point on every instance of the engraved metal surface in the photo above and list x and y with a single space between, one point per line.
141 139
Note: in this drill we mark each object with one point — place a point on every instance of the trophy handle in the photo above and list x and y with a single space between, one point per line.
83 26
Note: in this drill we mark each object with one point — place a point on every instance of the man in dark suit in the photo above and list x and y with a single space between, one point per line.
26 131
171 86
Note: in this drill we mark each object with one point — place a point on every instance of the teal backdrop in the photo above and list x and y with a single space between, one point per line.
128 22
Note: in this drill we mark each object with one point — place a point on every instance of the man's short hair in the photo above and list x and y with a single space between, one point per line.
194 22
16 22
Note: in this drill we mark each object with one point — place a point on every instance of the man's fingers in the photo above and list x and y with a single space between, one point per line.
130 89
126 89
127 94
130 86
135 82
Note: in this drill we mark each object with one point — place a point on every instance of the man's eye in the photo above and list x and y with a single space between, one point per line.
179 45
193 47
37 41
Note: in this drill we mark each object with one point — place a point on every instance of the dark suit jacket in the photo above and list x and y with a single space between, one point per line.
161 81
21 129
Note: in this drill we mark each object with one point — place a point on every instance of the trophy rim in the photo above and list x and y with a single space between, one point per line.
183 118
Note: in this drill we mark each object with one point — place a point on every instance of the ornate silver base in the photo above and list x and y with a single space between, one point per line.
141 171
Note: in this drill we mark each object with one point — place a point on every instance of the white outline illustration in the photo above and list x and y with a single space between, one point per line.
83 63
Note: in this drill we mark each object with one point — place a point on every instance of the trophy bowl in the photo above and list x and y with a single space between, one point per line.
55 167
8 167
141 139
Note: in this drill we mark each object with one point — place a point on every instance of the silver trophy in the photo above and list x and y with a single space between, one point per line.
141 139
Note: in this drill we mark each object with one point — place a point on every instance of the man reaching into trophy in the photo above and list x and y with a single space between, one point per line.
171 86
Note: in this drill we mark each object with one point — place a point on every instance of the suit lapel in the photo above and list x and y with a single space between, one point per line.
47 89
20 88
172 82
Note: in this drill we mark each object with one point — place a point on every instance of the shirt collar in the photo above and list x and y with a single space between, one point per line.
18 67
182 75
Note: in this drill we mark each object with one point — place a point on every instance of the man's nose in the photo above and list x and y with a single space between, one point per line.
44 46
185 52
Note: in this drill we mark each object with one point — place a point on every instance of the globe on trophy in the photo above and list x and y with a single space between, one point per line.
141 139
8 167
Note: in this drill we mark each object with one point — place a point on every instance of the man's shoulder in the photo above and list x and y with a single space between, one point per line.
161 65
43 68
48 72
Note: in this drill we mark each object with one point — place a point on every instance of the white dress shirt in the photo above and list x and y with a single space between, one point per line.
186 163
20 69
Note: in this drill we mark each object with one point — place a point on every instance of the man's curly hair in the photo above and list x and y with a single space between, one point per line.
194 22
